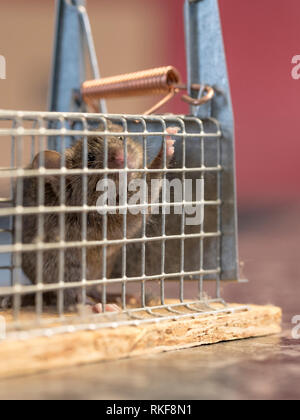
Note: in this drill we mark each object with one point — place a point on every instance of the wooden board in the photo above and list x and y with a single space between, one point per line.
40 354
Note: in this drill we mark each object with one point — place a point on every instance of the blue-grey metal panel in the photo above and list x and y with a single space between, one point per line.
206 64
73 39
68 64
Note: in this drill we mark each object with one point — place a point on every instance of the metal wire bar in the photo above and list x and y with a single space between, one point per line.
19 247
201 256
75 133
143 233
163 224
18 289
18 228
104 233
40 230
124 253
88 209
21 173
182 241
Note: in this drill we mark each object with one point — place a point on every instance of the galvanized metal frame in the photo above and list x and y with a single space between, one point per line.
206 64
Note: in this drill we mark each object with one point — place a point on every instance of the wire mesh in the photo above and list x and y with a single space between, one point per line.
149 244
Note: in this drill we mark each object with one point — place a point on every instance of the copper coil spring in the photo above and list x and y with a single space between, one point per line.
162 80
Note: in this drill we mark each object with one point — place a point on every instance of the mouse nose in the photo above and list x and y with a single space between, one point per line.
116 159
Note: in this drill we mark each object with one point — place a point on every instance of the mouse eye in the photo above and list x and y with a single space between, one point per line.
91 159
121 138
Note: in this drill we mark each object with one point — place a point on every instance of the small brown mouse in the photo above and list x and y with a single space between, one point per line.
73 221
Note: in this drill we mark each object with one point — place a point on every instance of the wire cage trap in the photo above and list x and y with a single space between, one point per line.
51 233
110 221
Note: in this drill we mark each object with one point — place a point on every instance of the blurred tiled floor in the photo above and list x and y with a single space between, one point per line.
270 252
264 368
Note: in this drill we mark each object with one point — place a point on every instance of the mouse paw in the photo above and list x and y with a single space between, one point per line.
170 149
173 130
98 308
90 307
170 142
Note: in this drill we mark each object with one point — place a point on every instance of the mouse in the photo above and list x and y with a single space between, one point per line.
73 194
198 253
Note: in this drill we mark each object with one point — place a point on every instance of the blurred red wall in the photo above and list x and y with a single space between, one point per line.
261 37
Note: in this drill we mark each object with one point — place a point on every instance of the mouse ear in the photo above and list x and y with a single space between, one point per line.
48 159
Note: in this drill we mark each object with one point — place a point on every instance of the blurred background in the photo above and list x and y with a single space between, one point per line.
261 37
